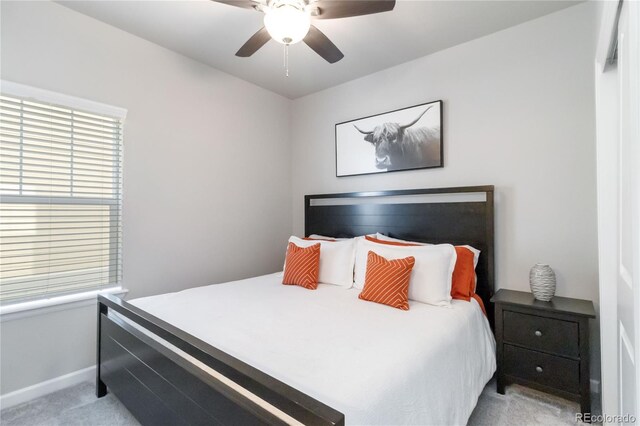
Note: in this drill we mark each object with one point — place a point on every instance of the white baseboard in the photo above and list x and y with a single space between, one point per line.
43 388
595 386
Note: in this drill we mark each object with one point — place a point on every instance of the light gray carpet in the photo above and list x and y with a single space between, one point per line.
524 406
77 405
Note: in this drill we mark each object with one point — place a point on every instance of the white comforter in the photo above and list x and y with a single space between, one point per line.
374 363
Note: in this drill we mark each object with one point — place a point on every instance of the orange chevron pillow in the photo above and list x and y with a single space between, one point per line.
387 281
302 266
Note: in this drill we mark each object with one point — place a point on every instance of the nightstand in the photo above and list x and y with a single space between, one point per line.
544 345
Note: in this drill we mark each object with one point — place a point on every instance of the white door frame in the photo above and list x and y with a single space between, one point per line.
609 110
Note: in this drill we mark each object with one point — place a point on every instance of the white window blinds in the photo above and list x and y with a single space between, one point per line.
60 200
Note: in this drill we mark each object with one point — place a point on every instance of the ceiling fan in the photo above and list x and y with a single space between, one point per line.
289 22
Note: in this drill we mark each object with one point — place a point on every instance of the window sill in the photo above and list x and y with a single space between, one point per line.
54 304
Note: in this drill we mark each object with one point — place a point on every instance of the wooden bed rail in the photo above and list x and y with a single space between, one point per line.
159 386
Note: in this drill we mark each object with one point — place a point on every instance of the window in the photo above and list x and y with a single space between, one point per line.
60 194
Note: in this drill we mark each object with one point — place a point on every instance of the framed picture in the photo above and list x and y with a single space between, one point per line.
404 139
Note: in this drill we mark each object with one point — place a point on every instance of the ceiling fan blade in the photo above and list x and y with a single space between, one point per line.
245 4
252 45
321 44
333 9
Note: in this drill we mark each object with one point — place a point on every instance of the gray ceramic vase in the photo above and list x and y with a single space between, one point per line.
542 280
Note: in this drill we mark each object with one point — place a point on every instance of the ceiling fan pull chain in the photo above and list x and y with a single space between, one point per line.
286 59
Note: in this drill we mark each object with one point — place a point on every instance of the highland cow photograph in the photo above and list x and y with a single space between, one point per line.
405 139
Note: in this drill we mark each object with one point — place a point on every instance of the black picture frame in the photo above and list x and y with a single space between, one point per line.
359 150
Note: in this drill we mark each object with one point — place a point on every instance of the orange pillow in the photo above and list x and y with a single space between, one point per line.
387 281
463 281
389 243
302 266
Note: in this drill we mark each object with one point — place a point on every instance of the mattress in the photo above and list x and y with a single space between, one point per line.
373 363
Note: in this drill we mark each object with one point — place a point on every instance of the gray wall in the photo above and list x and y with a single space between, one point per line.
518 113
207 170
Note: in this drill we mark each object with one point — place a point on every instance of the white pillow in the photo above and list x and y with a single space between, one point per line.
336 260
430 280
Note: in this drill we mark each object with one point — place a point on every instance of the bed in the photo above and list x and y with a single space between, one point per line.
238 353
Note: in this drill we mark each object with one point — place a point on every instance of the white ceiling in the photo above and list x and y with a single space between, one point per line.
211 33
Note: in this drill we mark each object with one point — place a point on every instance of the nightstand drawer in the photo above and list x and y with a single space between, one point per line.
544 334
541 368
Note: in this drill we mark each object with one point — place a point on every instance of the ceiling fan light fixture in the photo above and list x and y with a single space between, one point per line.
287 22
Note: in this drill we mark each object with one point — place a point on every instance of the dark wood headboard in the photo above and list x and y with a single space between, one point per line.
457 216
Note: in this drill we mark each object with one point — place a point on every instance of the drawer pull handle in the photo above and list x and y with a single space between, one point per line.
538 333
539 369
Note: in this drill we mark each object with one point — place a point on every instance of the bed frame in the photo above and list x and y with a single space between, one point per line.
166 383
